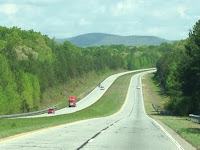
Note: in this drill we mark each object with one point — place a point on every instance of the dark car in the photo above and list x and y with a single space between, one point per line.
51 111
102 88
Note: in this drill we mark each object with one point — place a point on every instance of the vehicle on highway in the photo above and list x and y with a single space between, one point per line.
102 88
72 101
138 87
51 111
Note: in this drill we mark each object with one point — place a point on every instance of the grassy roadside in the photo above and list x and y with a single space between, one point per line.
182 125
110 103
79 87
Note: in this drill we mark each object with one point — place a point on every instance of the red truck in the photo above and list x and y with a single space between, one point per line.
72 101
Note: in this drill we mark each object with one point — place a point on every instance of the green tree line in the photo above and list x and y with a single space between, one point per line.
31 63
179 74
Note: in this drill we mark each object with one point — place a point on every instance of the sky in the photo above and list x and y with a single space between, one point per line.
168 19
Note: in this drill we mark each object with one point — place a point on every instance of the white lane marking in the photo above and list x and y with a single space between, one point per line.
91 93
173 140
18 136
91 140
66 124
126 99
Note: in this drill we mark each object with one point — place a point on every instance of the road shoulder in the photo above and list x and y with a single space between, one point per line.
185 144
149 98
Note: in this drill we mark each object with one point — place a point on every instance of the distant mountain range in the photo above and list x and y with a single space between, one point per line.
98 39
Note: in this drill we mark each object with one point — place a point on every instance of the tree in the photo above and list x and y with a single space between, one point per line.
8 89
191 69
179 73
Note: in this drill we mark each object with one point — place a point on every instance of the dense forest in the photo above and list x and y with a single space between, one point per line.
179 74
31 63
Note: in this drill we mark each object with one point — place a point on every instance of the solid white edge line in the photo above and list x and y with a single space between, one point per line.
173 140
18 136
14 137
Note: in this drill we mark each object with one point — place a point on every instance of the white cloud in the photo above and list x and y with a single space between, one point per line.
36 2
124 7
83 22
64 18
158 13
9 9
181 11
100 9
31 10
155 31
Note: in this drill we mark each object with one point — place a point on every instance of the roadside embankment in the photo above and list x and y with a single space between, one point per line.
177 126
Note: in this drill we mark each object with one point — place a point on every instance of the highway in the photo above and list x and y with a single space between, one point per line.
129 129
90 99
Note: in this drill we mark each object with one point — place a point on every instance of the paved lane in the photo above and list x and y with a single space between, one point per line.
129 129
90 99
135 130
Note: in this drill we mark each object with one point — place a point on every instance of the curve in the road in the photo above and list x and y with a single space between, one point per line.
128 129
91 98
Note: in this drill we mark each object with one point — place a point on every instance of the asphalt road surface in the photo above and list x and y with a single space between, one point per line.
90 99
129 129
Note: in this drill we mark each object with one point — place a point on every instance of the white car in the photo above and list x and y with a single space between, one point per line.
138 87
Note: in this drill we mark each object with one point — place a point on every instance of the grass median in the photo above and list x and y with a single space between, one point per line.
182 125
110 103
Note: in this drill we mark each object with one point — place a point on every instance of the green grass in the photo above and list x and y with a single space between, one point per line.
154 95
78 87
187 129
110 103
182 125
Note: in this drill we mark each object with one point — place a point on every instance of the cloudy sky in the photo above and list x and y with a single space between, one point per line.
169 19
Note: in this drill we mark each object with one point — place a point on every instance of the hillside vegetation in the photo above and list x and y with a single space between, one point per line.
179 74
33 67
35 70
98 39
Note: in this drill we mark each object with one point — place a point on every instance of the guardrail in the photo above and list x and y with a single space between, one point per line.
155 107
194 118
26 114
162 112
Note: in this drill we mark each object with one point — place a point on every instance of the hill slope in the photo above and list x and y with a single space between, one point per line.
97 39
